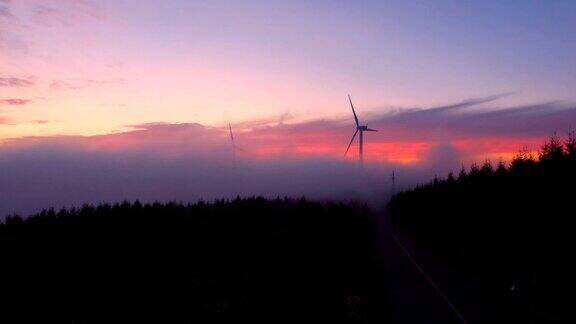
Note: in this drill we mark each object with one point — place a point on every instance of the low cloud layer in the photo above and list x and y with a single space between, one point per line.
43 178
189 161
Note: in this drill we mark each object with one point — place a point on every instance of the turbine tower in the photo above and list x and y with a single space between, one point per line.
361 130
393 189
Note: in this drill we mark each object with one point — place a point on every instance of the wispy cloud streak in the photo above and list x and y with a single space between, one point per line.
15 102
14 82
75 84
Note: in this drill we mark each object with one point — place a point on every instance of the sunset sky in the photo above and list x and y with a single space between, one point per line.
472 79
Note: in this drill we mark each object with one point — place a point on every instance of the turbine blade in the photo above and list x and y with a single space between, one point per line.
231 135
354 112
371 130
352 140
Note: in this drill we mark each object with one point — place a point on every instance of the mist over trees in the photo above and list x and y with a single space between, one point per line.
509 225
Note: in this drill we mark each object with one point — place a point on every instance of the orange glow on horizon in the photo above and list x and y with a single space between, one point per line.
290 141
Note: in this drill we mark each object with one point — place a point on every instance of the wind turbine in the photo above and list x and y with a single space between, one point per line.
361 130
233 144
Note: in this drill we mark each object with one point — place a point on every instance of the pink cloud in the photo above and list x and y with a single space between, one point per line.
15 102
74 84
39 121
15 82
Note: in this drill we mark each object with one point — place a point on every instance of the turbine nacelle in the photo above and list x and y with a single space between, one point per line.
365 128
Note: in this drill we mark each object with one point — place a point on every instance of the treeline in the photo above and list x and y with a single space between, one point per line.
511 225
277 260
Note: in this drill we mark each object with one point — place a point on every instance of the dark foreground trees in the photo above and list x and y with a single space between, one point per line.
510 227
248 259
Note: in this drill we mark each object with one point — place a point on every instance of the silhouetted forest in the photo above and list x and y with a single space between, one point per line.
508 226
254 259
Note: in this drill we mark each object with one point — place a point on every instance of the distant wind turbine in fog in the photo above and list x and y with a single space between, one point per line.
360 129
234 146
